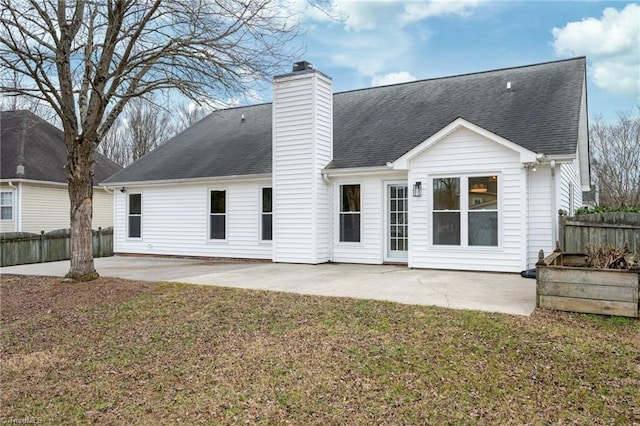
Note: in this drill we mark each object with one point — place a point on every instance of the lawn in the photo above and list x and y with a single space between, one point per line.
126 352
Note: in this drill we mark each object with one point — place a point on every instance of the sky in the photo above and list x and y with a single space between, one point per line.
373 43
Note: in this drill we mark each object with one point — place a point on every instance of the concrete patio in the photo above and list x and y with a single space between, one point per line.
492 292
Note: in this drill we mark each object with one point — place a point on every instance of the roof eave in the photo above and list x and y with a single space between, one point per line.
261 176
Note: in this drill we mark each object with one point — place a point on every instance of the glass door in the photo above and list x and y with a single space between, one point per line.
397 222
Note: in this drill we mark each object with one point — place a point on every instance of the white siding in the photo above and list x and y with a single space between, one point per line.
370 247
302 147
464 153
175 221
541 214
570 183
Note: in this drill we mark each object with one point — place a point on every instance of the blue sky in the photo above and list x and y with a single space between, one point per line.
384 42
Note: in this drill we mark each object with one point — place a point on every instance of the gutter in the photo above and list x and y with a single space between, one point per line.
217 179
17 210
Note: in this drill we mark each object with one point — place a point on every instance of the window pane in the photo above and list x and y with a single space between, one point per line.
483 193
266 200
217 202
134 226
266 227
6 213
6 198
135 203
350 228
350 198
446 194
217 230
446 228
483 228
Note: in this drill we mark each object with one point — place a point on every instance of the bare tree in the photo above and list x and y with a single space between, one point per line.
113 146
87 59
615 159
147 126
187 115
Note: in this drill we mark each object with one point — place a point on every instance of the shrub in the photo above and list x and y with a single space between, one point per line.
591 210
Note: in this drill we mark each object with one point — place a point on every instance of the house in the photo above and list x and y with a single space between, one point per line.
465 172
33 182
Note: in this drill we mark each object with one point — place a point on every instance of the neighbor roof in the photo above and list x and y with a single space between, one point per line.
539 112
29 141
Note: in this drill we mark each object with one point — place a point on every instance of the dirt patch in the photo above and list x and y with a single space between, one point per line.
25 296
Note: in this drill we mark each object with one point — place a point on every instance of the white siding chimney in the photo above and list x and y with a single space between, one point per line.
302 148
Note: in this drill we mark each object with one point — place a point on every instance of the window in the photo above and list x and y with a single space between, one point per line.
6 205
217 215
350 213
446 211
267 215
465 211
135 216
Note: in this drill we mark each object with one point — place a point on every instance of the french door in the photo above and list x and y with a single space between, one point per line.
397 218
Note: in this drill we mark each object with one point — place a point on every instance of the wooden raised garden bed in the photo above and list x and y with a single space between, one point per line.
564 282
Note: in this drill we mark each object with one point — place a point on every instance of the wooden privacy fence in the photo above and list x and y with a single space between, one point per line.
19 248
615 228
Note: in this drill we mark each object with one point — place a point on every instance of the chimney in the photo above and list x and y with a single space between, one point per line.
302 148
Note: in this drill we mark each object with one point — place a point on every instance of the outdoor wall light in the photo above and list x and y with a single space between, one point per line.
123 190
417 189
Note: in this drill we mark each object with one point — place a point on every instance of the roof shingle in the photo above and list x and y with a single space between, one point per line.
540 112
30 141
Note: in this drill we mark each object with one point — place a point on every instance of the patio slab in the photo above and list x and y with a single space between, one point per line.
484 291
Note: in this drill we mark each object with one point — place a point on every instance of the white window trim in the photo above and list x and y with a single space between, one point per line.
464 211
226 215
127 200
261 213
361 213
13 205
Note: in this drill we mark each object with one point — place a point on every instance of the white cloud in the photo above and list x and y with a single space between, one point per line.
418 11
611 45
392 78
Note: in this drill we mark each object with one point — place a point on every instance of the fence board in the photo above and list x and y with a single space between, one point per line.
601 228
19 248
602 307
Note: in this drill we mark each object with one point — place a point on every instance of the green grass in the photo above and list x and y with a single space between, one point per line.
188 354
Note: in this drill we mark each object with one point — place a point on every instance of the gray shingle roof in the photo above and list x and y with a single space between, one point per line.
28 140
373 126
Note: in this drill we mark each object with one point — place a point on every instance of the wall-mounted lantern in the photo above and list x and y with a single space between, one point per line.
417 189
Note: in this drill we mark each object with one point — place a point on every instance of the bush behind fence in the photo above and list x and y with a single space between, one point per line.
19 248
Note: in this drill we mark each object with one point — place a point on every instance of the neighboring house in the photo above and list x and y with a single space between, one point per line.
33 182
591 198
464 172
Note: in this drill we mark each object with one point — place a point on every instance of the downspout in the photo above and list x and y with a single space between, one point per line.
554 204
18 202
326 180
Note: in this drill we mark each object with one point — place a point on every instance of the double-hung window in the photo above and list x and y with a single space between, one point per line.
465 211
350 213
266 215
135 216
6 205
218 215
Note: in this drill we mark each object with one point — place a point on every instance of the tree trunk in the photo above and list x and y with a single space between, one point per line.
80 162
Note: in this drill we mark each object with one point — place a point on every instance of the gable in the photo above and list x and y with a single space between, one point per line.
458 125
